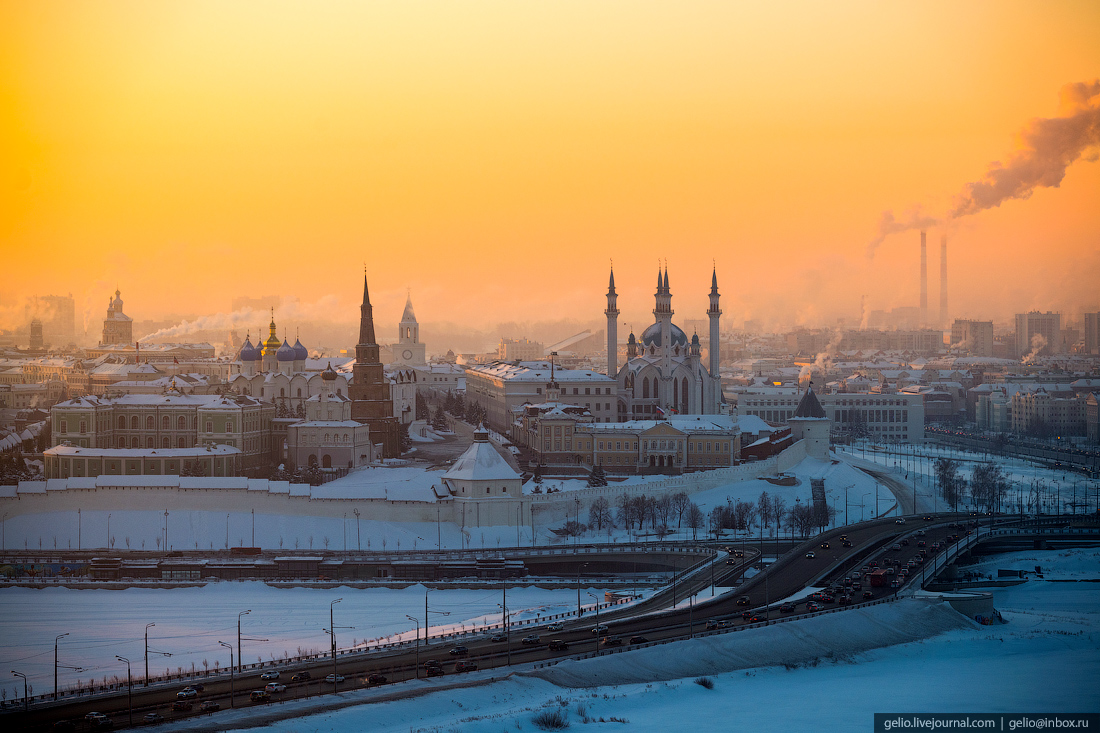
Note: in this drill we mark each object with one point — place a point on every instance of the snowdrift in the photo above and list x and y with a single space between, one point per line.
798 643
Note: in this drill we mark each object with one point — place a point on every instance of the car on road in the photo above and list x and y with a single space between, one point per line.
376 679
465 665
711 624
896 546
556 626
895 583
557 645
301 677
868 594
786 608
209 706
905 542
738 553
638 640
756 619
828 599
187 693
434 672
334 678
271 674
152 718
499 637
613 641
899 520
927 518
810 555
259 696
272 687
812 606
459 651
601 629
743 601
530 639
181 705
846 543
844 600
824 545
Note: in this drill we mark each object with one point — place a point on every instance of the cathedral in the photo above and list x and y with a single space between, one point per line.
664 372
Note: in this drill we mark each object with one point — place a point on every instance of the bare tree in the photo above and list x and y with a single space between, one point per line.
743 512
779 510
680 504
662 510
599 514
695 518
764 508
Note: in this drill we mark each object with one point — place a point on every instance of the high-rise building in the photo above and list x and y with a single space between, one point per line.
1038 333
1092 333
369 389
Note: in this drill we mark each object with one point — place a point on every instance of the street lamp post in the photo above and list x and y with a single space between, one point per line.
861 504
226 532
441 613
129 687
597 623
240 654
579 568
109 531
232 670
417 622
26 701
59 638
147 653
332 631
166 530
358 536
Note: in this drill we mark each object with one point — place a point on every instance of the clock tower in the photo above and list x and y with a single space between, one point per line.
409 350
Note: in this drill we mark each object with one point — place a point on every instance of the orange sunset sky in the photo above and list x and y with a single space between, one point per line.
494 156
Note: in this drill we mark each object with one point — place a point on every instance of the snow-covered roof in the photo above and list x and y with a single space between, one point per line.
214 450
481 462
537 371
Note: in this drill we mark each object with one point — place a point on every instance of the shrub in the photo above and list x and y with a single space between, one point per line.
555 719
707 682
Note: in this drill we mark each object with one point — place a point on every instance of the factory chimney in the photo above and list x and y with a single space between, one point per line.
923 279
943 281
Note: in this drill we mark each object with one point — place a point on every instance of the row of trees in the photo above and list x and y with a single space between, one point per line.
660 513
987 486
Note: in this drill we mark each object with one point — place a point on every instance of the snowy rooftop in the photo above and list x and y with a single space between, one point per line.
481 462
684 423
538 371
397 483
72 450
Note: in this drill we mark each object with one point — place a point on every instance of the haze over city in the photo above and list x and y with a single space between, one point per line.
485 365
194 152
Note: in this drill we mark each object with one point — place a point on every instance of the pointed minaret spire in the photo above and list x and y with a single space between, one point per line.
612 313
666 278
366 322
714 281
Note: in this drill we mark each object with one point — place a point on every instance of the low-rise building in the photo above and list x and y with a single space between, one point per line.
63 461
500 387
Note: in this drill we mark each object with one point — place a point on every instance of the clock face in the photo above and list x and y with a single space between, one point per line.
406 354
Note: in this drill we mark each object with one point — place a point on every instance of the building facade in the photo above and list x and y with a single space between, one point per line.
118 328
66 461
501 387
1038 333
328 437
974 337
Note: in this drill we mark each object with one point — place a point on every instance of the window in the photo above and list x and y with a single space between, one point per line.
122 442
229 426
575 390
181 423
150 423
164 442
149 442
209 426
179 443
299 391
588 390
65 426
134 423
134 443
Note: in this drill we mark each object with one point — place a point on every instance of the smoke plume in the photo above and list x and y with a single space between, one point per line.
1047 146
216 321
1038 342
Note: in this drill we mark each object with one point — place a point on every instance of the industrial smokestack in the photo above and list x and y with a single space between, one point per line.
862 312
943 281
923 278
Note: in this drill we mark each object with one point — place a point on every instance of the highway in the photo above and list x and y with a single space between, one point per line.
757 598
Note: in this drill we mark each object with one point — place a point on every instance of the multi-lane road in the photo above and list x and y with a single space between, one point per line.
758 598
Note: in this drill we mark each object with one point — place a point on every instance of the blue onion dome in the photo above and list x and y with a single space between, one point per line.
247 352
300 353
329 375
285 352
652 336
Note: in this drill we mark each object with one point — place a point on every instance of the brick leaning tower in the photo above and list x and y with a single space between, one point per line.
369 391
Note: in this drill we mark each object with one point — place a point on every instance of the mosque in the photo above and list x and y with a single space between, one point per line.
664 372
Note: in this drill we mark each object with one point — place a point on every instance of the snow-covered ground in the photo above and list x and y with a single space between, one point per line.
191 621
1030 484
1045 659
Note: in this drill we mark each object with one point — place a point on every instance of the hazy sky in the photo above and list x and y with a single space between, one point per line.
495 156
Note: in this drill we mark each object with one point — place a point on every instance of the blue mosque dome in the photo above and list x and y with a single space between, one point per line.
247 352
652 336
285 352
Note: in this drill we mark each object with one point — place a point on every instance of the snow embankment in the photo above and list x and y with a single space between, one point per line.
798 643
